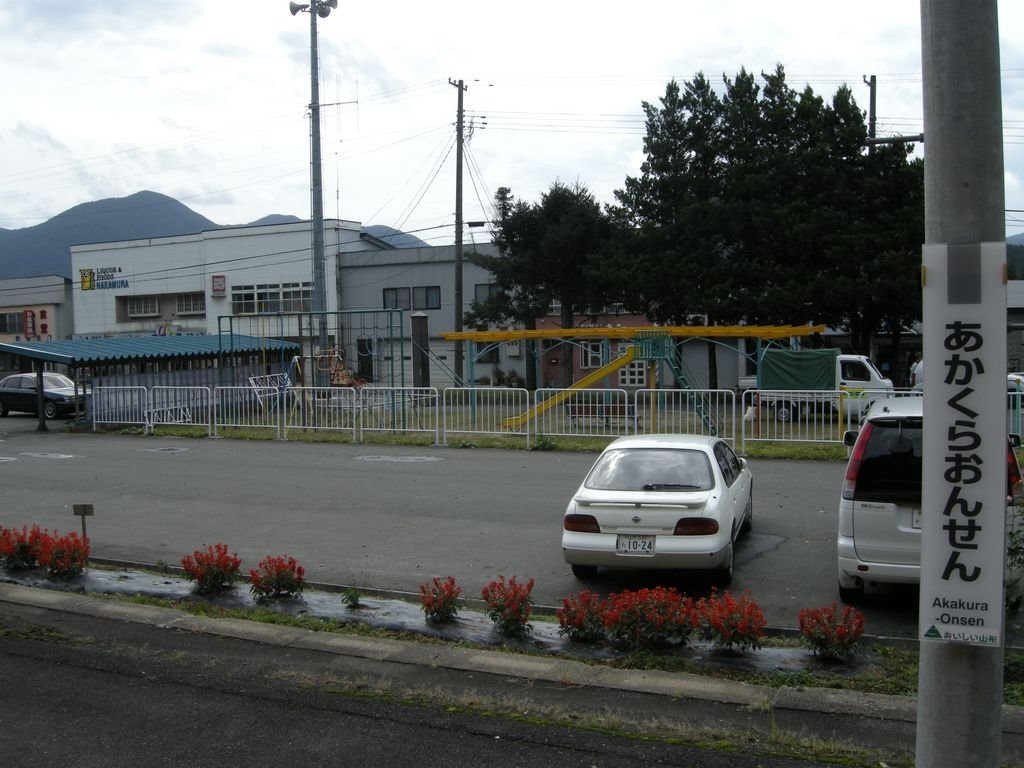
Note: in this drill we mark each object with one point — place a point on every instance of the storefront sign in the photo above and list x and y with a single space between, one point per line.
101 278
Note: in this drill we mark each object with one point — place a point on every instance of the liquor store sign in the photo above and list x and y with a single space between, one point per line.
101 278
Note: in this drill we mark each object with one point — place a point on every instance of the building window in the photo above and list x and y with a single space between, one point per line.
483 291
143 306
426 297
268 298
634 374
396 298
243 300
10 322
297 297
190 304
590 354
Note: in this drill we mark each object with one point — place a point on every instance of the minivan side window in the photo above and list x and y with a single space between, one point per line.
890 468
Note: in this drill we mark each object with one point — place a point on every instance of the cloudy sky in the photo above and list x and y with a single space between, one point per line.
207 102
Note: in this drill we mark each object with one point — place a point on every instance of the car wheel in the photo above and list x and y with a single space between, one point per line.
3 408
584 572
50 409
724 573
851 595
748 515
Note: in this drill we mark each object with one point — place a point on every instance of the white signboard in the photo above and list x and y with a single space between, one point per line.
963 501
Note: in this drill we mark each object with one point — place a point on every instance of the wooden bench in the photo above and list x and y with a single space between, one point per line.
602 412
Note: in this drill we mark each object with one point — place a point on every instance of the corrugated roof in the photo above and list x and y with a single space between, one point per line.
82 351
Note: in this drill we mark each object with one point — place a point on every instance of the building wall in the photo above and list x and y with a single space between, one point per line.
34 309
203 272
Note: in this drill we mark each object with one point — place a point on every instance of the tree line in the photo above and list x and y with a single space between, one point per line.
755 204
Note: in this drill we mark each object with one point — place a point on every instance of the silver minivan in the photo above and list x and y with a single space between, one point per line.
879 537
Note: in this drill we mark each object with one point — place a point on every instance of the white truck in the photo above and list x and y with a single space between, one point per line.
795 382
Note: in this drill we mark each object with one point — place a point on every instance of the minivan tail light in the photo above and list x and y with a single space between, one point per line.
695 526
853 467
581 523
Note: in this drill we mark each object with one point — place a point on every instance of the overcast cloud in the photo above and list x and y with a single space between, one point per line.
207 101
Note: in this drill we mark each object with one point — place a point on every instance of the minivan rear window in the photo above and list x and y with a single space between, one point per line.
890 468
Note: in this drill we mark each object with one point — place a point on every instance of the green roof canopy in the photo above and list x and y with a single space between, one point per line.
123 349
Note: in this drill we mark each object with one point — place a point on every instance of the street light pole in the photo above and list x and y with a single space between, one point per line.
323 9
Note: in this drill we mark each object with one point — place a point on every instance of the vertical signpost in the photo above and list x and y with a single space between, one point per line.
963 520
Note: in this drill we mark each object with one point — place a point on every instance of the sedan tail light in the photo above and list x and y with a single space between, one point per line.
695 526
581 523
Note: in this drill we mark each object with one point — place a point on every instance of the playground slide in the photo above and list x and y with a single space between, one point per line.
625 358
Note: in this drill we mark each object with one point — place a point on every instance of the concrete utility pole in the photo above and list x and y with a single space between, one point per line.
321 8
458 365
959 711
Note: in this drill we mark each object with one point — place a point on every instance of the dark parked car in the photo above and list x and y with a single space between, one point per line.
18 393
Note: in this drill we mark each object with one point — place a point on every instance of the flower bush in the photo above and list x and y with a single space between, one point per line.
581 617
22 549
727 622
829 632
64 557
509 604
279 576
440 599
648 618
213 569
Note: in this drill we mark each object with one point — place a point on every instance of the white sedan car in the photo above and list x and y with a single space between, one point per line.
660 501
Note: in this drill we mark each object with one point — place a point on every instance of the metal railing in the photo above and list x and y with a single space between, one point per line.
810 416
119 405
180 405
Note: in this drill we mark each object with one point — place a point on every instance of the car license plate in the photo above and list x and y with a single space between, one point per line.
628 544
915 518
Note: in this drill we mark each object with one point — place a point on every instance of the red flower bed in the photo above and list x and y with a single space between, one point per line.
581 617
22 549
829 632
279 576
213 569
648 618
509 604
64 557
440 599
728 622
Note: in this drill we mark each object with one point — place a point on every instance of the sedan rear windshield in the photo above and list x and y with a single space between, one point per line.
652 469
890 468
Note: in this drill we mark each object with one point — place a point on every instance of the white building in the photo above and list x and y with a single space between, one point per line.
257 281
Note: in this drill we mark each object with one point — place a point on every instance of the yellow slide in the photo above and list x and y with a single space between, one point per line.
625 358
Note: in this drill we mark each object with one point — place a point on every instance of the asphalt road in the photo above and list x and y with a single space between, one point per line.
391 517
100 692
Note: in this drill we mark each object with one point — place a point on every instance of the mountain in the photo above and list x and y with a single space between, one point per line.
44 249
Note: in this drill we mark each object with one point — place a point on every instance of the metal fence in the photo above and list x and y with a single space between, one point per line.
809 416
486 411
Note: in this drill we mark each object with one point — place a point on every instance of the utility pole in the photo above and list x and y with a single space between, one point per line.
872 84
961 611
321 8
458 366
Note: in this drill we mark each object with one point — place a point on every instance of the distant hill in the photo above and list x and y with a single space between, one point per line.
44 249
